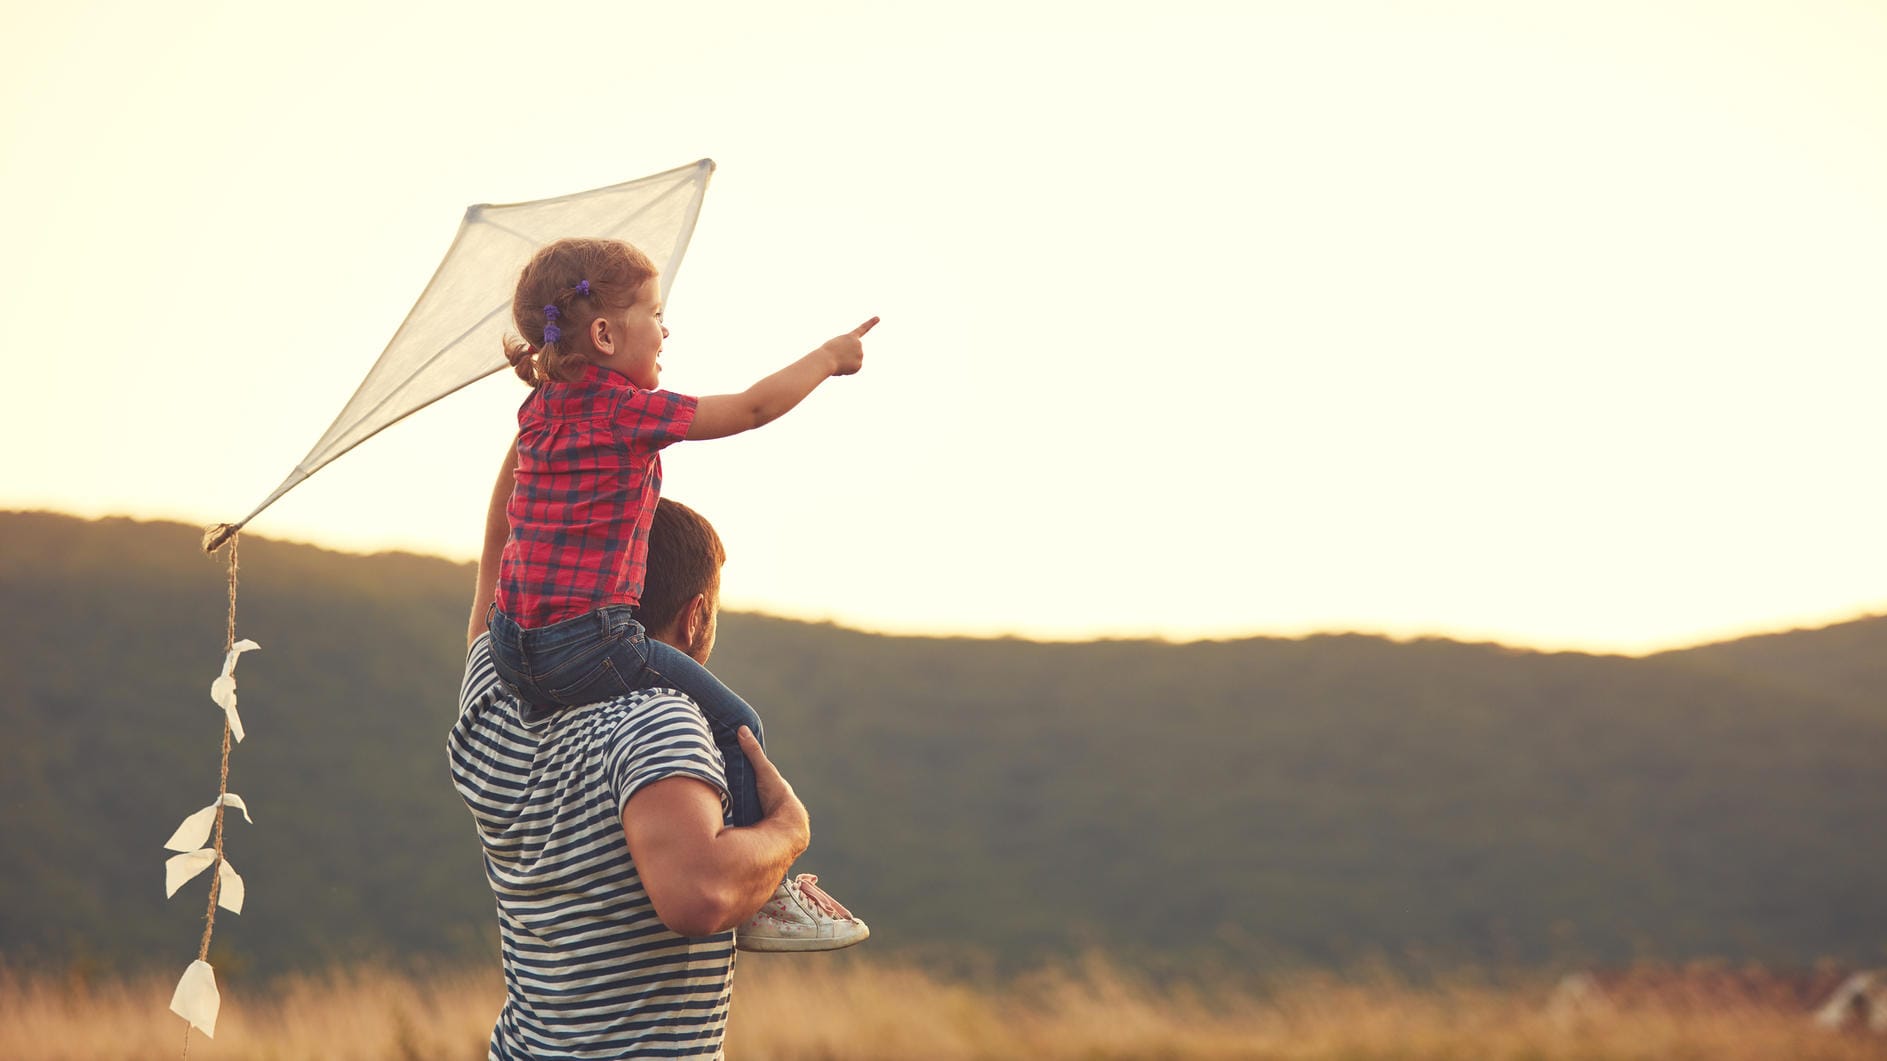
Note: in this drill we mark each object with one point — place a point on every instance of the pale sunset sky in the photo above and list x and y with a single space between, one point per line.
1559 324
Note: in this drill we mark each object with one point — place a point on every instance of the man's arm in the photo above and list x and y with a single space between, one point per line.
720 415
497 529
704 877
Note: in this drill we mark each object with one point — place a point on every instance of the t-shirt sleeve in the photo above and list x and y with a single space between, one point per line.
653 420
661 738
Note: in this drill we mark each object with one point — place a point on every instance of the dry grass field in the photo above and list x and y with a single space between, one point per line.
841 1007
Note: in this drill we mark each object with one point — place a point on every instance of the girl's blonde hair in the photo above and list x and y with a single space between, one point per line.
564 288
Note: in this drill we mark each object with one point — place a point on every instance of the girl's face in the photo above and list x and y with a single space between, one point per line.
630 343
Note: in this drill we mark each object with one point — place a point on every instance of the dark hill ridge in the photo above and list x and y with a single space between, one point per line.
1249 801
1846 660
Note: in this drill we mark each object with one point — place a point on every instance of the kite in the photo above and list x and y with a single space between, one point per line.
450 339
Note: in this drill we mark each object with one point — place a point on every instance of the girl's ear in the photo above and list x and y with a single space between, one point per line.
600 336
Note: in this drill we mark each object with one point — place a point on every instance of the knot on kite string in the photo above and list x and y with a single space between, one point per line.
213 539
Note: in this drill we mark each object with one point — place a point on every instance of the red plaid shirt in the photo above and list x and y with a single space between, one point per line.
589 473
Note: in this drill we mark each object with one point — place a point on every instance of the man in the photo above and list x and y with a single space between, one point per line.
617 881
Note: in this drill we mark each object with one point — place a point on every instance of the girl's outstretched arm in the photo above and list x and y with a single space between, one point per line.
720 415
497 529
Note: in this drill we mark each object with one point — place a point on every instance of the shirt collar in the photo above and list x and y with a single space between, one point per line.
595 375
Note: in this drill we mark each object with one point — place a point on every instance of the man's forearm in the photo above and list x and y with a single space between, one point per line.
754 860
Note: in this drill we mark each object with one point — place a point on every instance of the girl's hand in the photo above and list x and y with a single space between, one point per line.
848 350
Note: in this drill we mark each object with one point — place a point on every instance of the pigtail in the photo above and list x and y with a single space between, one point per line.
523 359
563 357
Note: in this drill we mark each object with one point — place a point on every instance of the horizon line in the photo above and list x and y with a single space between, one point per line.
997 633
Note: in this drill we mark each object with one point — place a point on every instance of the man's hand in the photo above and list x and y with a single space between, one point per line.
777 799
848 350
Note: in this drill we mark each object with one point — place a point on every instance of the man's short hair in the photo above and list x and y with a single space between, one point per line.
685 558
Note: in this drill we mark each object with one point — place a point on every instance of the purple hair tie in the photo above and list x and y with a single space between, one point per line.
583 288
551 314
552 333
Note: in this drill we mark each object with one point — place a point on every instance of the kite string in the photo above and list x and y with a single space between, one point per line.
222 783
222 791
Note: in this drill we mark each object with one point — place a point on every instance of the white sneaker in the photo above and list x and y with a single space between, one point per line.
800 917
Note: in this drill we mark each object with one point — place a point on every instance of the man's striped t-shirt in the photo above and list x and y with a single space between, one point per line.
590 971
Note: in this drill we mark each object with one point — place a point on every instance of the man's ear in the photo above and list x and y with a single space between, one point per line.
694 623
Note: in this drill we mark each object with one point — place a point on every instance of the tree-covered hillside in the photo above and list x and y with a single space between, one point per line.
1251 802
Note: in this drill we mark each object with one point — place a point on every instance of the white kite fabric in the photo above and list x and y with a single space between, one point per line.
453 335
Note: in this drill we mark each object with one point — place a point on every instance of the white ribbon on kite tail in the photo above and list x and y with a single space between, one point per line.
190 838
195 830
196 999
223 689
179 869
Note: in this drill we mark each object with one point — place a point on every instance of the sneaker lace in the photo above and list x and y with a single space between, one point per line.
807 885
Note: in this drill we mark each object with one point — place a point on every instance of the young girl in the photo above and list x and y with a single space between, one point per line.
588 474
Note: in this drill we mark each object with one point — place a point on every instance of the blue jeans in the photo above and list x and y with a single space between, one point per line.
606 654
